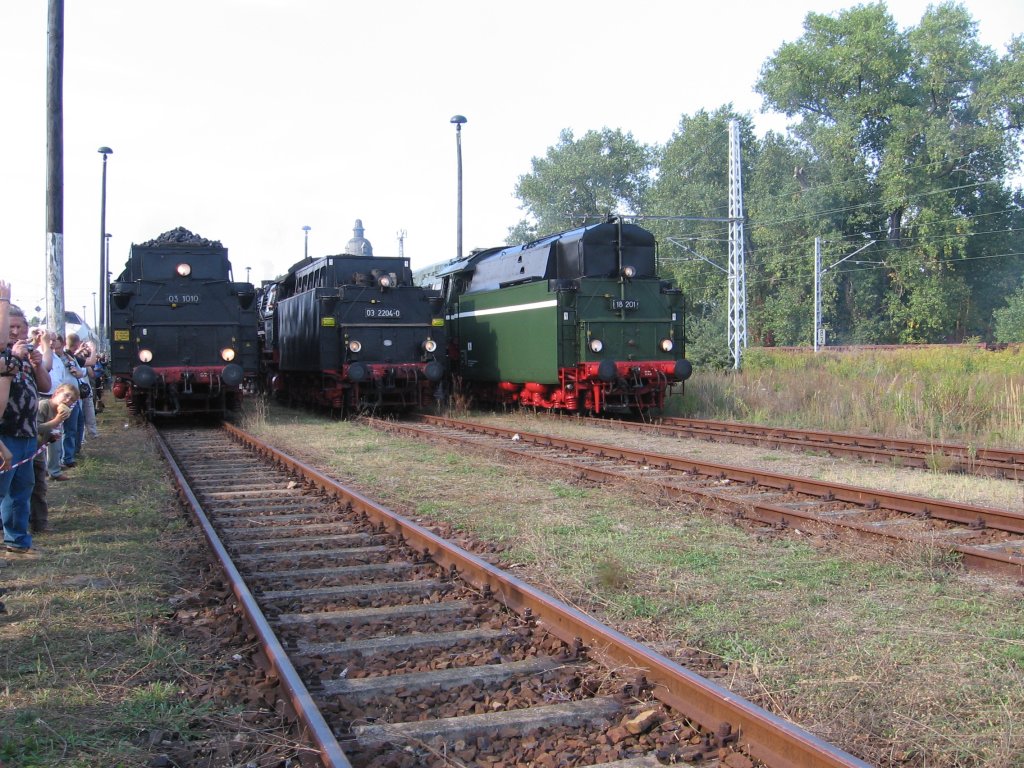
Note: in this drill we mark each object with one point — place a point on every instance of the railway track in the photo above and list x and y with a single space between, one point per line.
984 538
396 647
925 454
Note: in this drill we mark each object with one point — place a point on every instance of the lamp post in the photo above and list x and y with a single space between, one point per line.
459 120
306 229
101 331
95 317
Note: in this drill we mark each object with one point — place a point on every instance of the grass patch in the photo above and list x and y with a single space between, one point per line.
955 394
78 637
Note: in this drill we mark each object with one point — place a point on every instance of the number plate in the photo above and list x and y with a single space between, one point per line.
618 304
183 298
384 312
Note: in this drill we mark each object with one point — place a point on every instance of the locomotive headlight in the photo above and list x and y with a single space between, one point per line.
629 272
430 345
355 346
596 345
184 270
227 354
666 345
384 281
145 355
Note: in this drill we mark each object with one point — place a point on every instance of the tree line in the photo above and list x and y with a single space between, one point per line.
907 140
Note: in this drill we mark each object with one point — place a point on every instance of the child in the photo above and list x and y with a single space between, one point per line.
52 413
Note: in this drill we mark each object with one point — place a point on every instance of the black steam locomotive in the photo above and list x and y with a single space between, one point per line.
182 331
576 321
351 332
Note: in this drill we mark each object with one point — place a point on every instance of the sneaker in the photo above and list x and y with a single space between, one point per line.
60 477
21 551
67 465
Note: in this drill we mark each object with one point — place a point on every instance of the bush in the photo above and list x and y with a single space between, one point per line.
1009 321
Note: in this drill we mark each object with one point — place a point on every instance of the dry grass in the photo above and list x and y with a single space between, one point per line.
959 394
899 657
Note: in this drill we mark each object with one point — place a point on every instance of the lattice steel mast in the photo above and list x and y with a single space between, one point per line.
737 261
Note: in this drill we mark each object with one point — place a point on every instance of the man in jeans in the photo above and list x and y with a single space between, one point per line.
85 356
18 428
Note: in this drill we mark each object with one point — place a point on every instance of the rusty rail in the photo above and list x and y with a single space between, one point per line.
1003 463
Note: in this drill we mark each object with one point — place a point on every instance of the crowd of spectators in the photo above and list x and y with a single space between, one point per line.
50 390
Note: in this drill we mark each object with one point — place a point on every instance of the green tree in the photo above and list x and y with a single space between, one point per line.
582 180
792 199
926 126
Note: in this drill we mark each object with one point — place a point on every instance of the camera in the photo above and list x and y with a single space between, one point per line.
7 356
30 347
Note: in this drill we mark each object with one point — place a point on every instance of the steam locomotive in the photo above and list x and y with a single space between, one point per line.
577 321
182 331
351 333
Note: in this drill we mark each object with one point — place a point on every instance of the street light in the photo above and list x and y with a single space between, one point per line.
103 248
459 120
306 229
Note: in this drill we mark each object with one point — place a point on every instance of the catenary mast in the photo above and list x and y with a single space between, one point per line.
737 262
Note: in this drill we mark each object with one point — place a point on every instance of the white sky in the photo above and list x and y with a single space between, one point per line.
243 120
